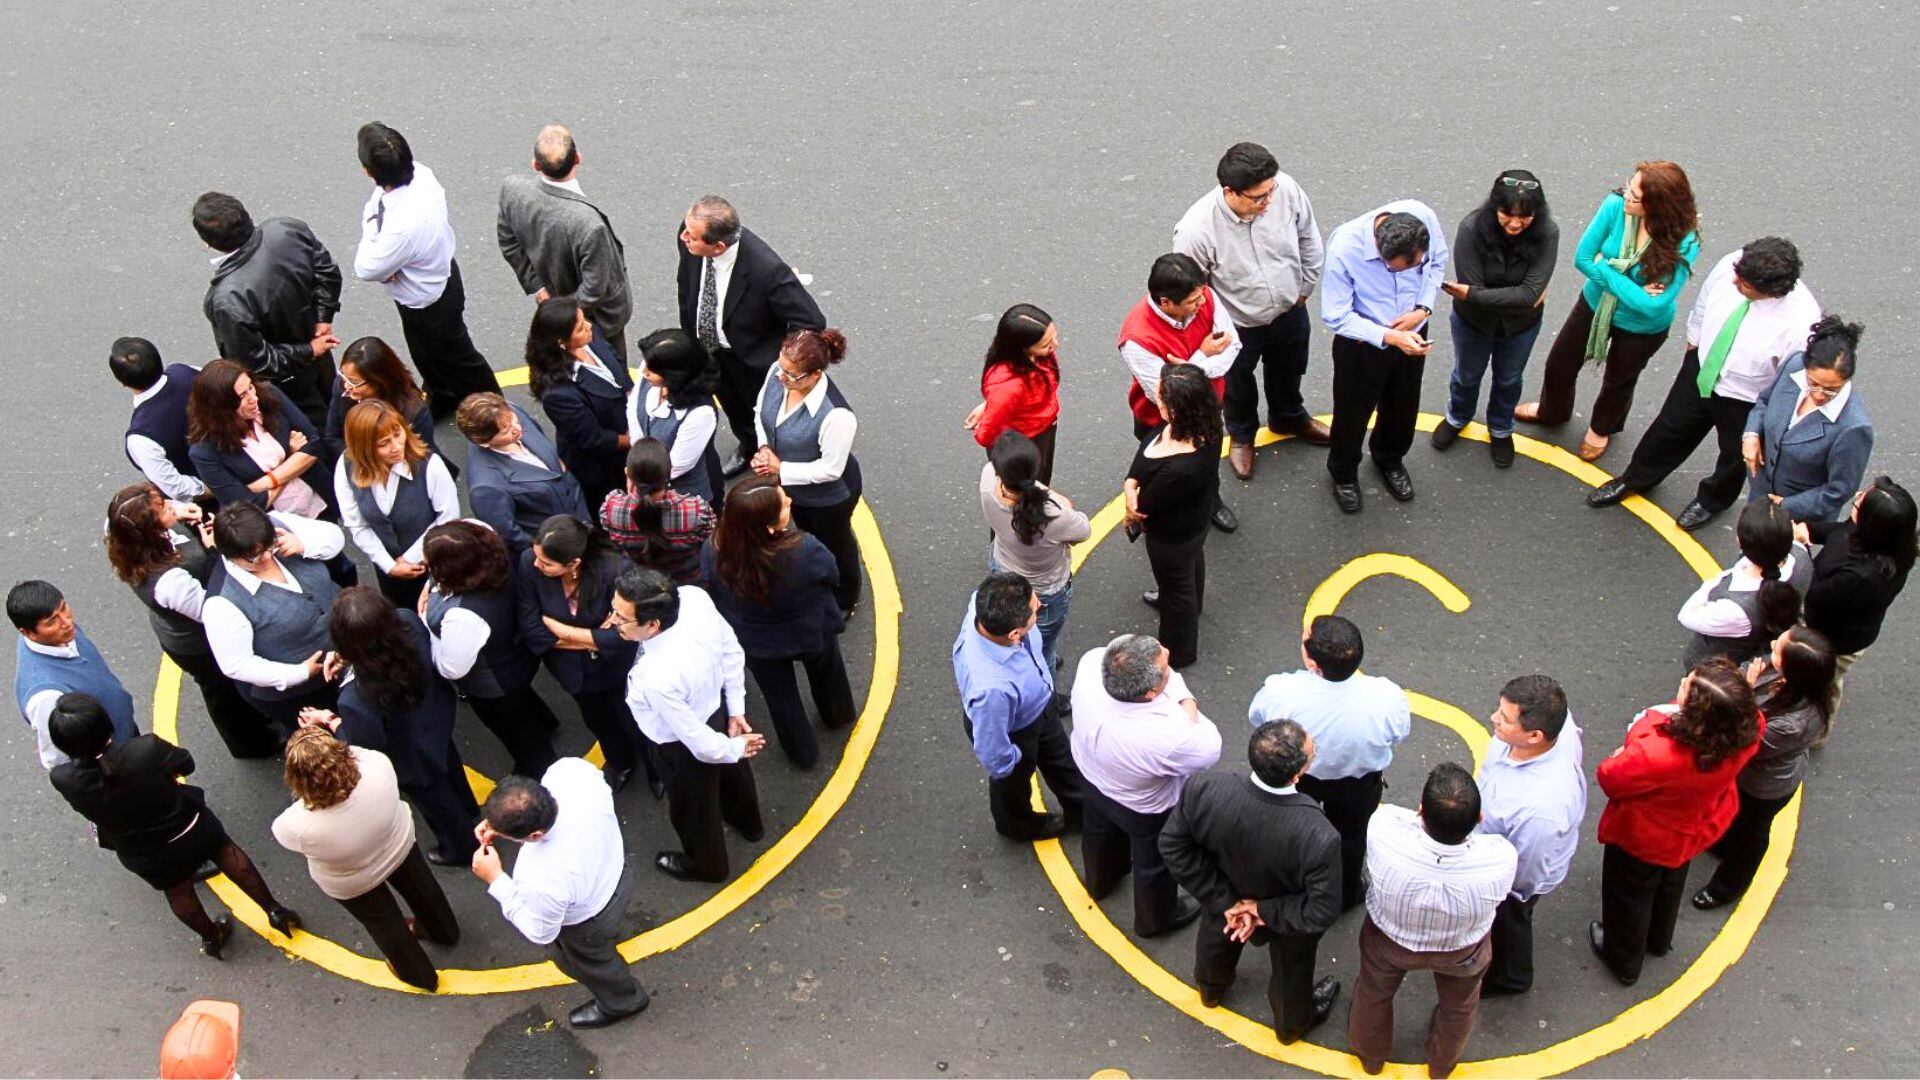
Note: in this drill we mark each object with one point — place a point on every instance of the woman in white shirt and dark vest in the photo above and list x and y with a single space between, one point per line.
806 431
1738 613
392 488
266 619
673 403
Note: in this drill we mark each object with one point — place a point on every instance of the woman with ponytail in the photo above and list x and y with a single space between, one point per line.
653 524
1863 564
1808 438
806 431
1740 611
1034 530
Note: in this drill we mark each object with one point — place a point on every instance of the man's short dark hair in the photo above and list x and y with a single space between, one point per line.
1335 645
241 530
222 222
1771 265
719 221
1401 236
1541 703
1174 277
135 362
519 807
554 152
652 594
30 602
1450 803
1277 752
1245 166
385 155
1003 604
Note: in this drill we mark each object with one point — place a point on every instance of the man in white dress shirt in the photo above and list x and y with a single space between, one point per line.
1533 791
1137 735
1436 883
406 244
688 692
570 886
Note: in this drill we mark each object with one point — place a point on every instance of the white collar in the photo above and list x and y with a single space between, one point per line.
814 397
1168 319
150 392
1831 410
403 469
571 183
251 583
69 651
723 262
1268 788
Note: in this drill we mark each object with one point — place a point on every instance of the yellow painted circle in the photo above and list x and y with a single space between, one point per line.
1639 1021
669 935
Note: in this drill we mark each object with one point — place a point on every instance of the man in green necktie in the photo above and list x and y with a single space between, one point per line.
1752 313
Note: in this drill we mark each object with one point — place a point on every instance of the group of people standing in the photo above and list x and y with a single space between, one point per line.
612 553
1274 858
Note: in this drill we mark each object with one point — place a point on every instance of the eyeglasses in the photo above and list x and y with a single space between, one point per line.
1516 182
1824 393
1260 199
352 384
791 379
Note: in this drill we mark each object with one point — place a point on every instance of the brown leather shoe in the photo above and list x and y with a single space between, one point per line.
1240 456
1591 451
1528 413
1311 431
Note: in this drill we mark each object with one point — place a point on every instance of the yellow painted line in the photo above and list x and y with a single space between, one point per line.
1640 1021
885 599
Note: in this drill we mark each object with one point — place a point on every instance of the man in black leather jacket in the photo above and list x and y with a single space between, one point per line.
275 291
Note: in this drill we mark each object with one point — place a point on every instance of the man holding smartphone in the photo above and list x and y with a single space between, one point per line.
1383 273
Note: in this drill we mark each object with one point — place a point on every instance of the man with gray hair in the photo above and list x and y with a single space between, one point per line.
1137 736
740 298
560 243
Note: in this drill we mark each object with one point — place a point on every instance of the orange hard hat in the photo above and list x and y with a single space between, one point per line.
204 1044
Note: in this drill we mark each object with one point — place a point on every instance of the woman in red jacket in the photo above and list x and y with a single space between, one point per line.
1670 795
1021 383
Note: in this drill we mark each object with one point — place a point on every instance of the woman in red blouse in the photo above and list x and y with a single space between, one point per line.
1021 383
1670 794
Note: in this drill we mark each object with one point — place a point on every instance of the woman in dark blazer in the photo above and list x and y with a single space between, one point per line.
250 444
161 829
1170 493
583 387
775 584
1863 564
371 371
1808 437
395 702
515 478
565 586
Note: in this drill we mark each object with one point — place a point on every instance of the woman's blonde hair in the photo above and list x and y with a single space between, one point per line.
368 423
320 769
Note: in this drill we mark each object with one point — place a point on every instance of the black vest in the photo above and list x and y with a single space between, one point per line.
504 665
177 633
410 517
163 417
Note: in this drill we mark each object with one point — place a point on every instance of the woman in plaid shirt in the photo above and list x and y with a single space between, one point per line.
652 524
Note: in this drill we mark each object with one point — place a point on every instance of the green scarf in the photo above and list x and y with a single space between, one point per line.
1603 315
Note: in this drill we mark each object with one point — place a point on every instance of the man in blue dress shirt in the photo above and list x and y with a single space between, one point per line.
1006 693
1383 272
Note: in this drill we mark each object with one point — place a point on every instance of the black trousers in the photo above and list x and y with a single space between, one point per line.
1349 803
521 721
446 802
1684 420
702 796
1366 379
1289 987
247 733
588 952
1044 443
833 526
310 387
1279 351
1043 746
1745 843
1115 839
450 366
739 391
1639 905
1511 970
606 715
831 692
1180 573
378 911
1627 356
404 592
283 714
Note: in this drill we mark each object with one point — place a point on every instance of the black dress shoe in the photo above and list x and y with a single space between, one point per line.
1185 910
1399 484
1694 516
735 465
675 865
1501 447
1445 435
617 779
1597 941
1211 997
443 857
753 837
210 947
1324 994
1224 518
657 788
1151 598
1347 496
1609 493
1050 826
1706 899
284 919
591 1015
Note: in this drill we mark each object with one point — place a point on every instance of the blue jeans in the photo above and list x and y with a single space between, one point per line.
1053 614
1472 352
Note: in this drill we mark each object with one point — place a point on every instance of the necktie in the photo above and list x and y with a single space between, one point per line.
1722 345
706 319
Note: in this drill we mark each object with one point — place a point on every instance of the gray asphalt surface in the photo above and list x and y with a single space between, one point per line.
931 164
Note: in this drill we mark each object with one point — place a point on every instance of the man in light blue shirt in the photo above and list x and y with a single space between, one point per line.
1533 791
1006 695
1355 721
1383 273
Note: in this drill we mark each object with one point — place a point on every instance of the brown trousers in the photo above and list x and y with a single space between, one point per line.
1627 356
1384 963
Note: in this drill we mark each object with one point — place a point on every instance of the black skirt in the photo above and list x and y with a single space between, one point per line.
179 859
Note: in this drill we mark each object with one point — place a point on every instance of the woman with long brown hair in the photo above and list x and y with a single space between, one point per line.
391 488
1021 384
250 444
164 552
1636 256
371 371
1670 794
775 585
583 387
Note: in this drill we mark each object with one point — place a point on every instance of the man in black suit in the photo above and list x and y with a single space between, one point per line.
274 294
740 298
1264 863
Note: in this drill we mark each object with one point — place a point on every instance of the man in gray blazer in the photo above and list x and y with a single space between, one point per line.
560 244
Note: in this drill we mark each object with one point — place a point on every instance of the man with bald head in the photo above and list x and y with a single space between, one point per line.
560 243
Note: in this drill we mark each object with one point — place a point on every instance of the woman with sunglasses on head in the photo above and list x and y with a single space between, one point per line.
1021 384
164 552
371 371
1808 438
673 403
583 387
392 488
1863 563
806 431
1503 257
1636 255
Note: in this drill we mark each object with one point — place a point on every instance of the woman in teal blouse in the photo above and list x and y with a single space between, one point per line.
1636 256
